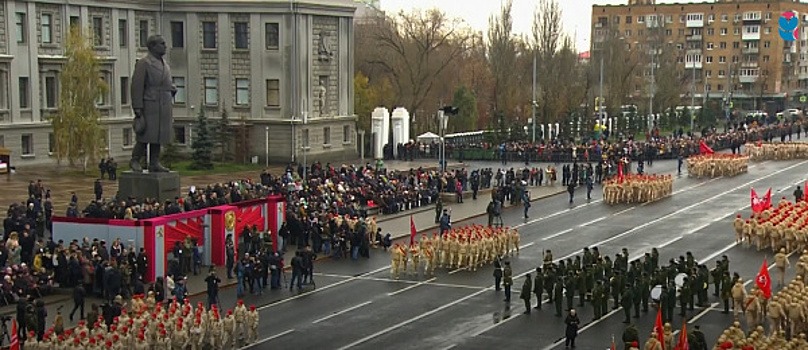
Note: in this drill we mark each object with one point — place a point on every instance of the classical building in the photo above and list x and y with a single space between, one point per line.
731 46
283 70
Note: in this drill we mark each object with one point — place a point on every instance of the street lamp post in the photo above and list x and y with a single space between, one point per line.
693 96
266 146
651 99
362 145
533 102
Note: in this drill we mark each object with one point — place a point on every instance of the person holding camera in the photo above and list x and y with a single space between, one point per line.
213 288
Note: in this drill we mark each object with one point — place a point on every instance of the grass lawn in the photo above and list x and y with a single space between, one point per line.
181 166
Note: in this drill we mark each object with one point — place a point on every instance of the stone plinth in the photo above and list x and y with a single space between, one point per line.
161 186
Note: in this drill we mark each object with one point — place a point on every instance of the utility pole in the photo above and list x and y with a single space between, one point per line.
693 96
533 102
600 100
651 99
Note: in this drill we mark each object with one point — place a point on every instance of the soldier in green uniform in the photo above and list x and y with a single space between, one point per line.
588 258
597 295
580 286
549 282
690 261
702 278
507 280
576 264
608 267
671 301
616 288
645 290
597 269
538 284
663 302
570 284
626 303
684 297
726 291
690 287
589 275
654 259
647 267
558 295
717 273
525 294
636 294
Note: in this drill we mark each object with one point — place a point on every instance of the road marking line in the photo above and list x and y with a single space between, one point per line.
597 220
341 312
701 314
491 326
379 279
411 287
326 287
557 234
413 319
276 336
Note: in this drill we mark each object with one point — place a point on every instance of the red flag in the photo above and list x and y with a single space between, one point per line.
805 192
659 328
15 341
683 344
413 232
620 175
757 203
704 149
763 280
767 199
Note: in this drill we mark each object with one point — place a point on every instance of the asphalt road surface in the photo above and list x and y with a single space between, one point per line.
356 305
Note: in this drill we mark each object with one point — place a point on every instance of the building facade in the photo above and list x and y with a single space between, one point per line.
283 71
732 47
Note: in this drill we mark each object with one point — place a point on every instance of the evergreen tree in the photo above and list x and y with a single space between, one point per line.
170 154
202 144
223 135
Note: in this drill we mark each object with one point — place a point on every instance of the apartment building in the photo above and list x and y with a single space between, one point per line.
731 46
282 69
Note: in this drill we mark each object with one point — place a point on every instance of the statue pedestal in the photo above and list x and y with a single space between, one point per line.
160 186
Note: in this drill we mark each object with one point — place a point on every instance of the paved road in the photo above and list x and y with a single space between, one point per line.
357 306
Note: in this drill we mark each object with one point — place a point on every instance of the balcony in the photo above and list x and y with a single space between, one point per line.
750 36
750 50
749 64
803 76
694 20
692 65
751 16
694 37
746 79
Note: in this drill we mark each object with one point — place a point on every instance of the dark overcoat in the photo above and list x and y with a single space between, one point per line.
153 92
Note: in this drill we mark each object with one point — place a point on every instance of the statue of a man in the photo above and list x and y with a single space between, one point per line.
152 99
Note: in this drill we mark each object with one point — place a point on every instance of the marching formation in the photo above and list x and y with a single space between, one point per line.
785 312
761 151
466 247
783 226
637 188
152 326
716 164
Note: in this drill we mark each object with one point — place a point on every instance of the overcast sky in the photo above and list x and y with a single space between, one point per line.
576 14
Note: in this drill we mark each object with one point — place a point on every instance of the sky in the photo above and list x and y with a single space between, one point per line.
576 14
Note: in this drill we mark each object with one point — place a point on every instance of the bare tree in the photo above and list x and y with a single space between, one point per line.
415 49
546 35
501 54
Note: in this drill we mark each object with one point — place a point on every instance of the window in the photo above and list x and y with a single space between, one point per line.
736 31
327 135
736 45
627 33
668 32
722 45
240 30
75 21
25 99
767 30
3 89
51 143
766 58
708 73
709 59
50 92
628 19
211 91
128 140
669 19
305 138
724 18
722 73
273 92
710 31
27 144
720 87
46 28
124 90
123 33
103 99
346 131
681 32
768 15
766 44
734 59
20 24
616 19
242 91
177 34
710 46
640 32
272 36
209 35
179 135
711 17
708 87
681 18
98 31
179 96
723 31
143 32
722 59
640 19
737 17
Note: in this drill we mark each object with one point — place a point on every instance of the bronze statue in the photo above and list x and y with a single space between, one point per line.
152 100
